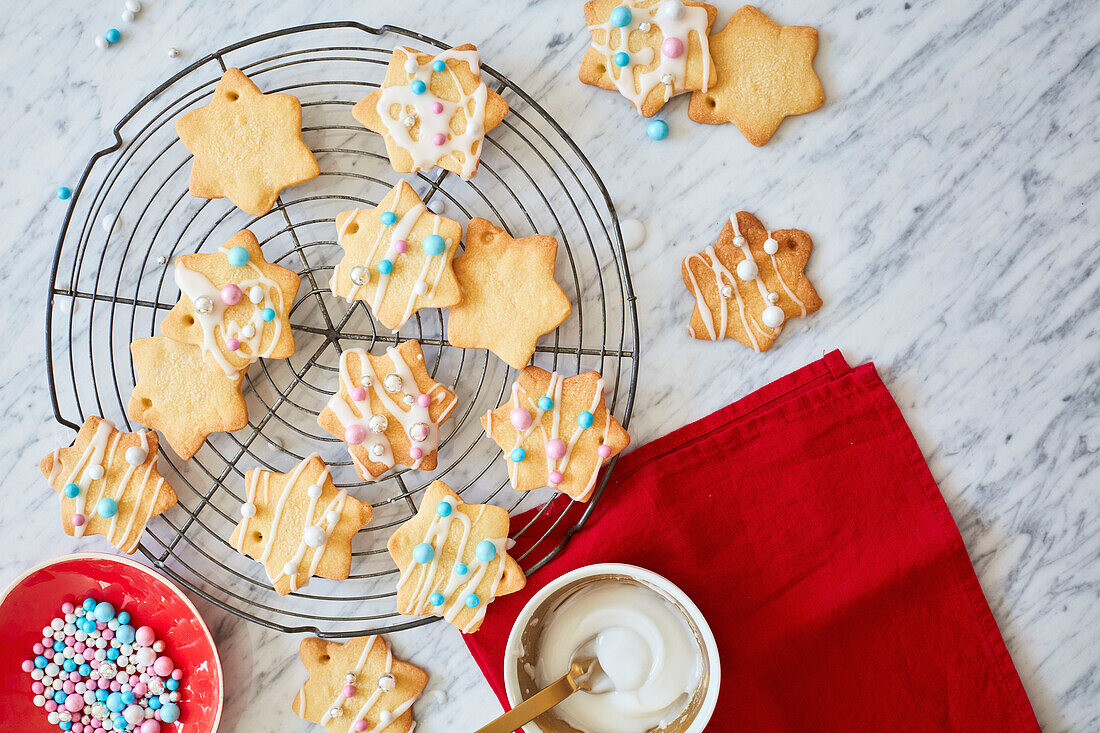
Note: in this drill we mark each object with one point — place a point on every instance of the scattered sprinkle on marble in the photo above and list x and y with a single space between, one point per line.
173 52
633 232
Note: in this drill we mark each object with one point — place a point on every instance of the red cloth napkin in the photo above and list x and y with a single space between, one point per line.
805 524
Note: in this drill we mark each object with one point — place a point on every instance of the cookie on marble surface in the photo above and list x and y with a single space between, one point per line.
298 524
357 685
234 304
108 483
247 146
556 431
509 295
453 558
397 257
433 110
749 283
649 50
180 394
388 410
765 73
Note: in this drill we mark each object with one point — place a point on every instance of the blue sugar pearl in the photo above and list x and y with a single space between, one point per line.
268 314
72 490
127 697
64 193
112 35
485 550
622 58
155 703
657 130
423 553
115 703
40 662
89 604
58 646
418 87
65 725
385 267
123 617
436 599
84 669
101 695
112 654
434 245
517 455
68 665
170 713
237 256
444 509
172 684
59 696
461 569
389 218
472 601
585 419
546 403
106 508
439 65
104 611
621 16
125 633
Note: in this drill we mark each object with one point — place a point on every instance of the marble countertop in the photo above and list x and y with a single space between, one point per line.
949 184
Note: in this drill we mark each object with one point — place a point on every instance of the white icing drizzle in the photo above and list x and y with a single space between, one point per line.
423 150
338 701
456 587
195 285
351 412
55 469
691 19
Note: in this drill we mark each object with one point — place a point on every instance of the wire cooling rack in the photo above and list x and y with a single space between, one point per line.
111 283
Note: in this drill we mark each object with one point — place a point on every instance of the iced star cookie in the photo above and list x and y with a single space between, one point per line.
649 50
108 483
397 257
181 395
509 295
768 288
388 410
298 525
765 73
433 110
234 304
247 146
453 559
357 685
556 431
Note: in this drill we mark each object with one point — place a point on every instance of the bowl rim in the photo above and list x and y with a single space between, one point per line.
130 562
511 679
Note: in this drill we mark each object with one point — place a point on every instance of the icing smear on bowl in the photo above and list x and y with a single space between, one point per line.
644 645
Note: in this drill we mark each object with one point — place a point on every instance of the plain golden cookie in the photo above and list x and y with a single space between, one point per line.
559 429
749 283
118 488
433 110
509 295
383 688
247 146
765 73
453 558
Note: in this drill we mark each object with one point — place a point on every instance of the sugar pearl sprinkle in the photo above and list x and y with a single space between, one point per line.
94 671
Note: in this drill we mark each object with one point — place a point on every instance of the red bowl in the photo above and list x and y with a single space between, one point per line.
33 600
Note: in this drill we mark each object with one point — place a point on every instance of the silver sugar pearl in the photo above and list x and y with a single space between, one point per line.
366 381
386 682
392 382
644 26
107 670
173 53
408 399
409 120
335 712
360 275
162 260
127 16
666 79
349 678
377 449
773 297
99 711
378 423
203 304
726 291
419 432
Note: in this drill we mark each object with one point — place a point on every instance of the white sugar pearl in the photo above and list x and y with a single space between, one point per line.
173 52
80 688
127 16
52 669
438 205
385 717
671 9
89 697
121 677
68 652
314 491
773 316
333 518
69 618
58 636
126 649
47 631
101 643
122 660
248 509
95 473
145 656
314 536
747 269
771 246
248 331
58 684
39 701
256 294
37 674
113 623
130 669
135 456
53 719
100 42
411 66
420 288
290 569
57 624
158 646
133 6
633 232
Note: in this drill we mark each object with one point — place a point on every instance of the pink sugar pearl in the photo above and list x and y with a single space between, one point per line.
349 691
47 653
37 688
439 139
78 727
74 703
78 646
116 686
74 676
50 706
424 400
149 726
68 687
673 48
177 674
140 688
144 636
355 434
521 418
604 451
358 394
89 655
415 453
28 665
67 608
231 294
556 478
78 520
400 246
360 725
38 648
163 666
108 634
232 344
134 679
555 449
437 107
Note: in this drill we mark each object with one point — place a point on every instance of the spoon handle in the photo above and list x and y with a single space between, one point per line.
533 706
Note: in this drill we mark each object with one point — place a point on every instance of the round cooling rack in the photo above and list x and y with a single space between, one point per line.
111 283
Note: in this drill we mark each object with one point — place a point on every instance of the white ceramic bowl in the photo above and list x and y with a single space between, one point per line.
523 640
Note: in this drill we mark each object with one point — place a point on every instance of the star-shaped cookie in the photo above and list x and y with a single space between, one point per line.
388 410
750 283
765 73
357 685
181 395
108 483
397 257
234 304
433 110
556 431
509 295
298 525
247 146
453 559
649 50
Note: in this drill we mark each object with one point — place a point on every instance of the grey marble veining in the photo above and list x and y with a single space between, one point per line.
950 185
